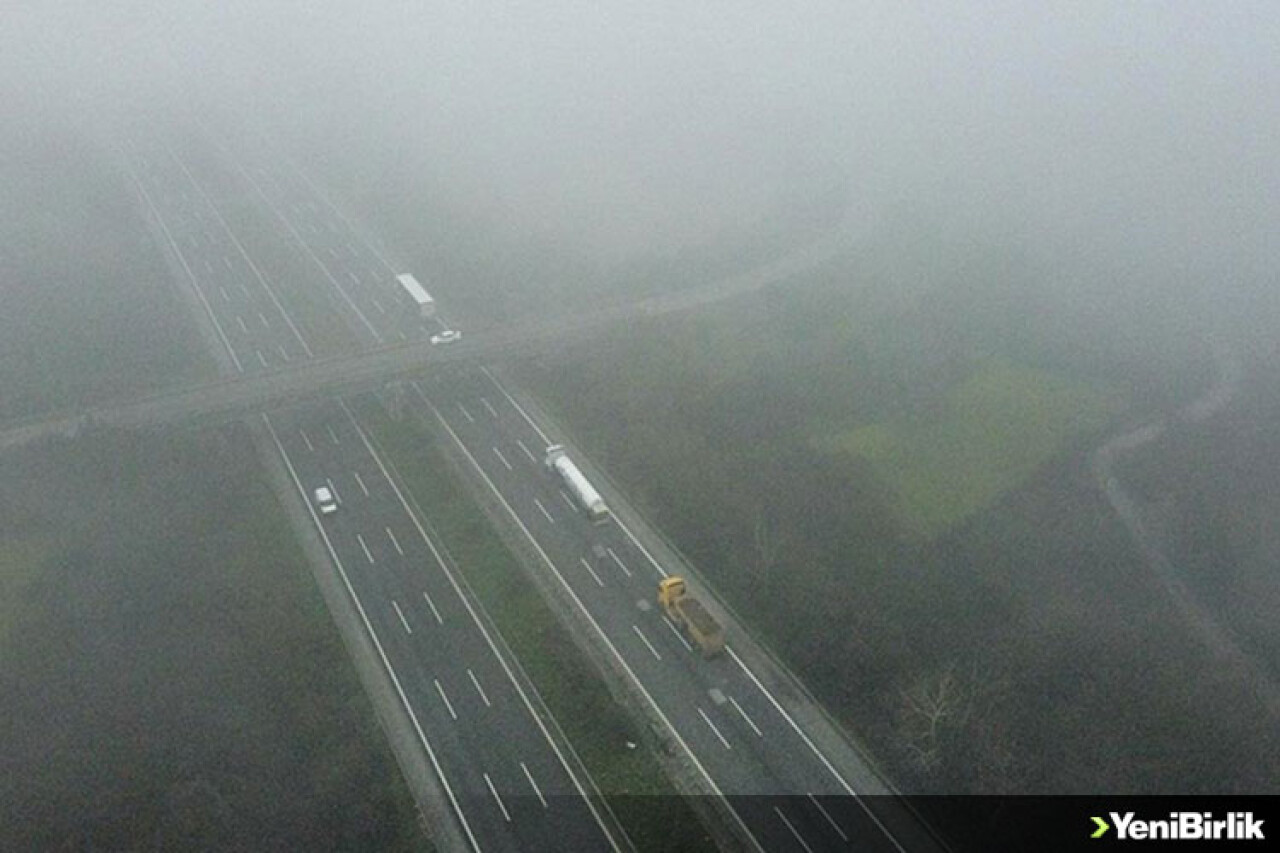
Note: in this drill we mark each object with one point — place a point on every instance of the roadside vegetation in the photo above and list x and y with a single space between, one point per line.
82 291
602 733
169 674
883 468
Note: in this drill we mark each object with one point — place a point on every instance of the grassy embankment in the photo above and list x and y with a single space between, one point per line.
169 675
85 316
170 671
631 779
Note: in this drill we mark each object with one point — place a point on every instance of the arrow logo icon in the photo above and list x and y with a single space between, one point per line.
1103 826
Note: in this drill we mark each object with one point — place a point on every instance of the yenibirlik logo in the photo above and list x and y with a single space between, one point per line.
1182 826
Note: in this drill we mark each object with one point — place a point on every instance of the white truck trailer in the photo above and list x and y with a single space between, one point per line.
579 486
418 295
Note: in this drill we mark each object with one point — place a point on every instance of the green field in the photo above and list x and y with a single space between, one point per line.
994 430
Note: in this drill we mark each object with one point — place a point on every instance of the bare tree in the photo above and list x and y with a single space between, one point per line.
935 704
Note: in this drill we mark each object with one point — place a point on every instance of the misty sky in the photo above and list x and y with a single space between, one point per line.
1131 141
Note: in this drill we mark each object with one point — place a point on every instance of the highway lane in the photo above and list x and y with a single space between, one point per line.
508 781
512 787
731 729
734 728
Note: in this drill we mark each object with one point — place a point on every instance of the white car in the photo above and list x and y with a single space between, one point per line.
324 501
448 336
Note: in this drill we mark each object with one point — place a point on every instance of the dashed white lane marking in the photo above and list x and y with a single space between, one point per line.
568 500
360 482
527 452
476 683
284 353
378 305
592 571
502 459
713 728
307 441
403 622
262 318
466 414
679 636
830 819
795 832
749 721
546 514
262 359
533 785
243 326
447 704
395 543
647 644
223 291
333 436
432 605
490 409
363 547
494 791
621 564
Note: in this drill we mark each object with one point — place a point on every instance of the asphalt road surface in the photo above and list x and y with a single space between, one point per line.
511 787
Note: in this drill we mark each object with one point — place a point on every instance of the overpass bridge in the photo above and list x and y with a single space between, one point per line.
225 400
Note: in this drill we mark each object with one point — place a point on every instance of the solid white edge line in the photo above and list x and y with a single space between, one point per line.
814 749
466 603
711 783
373 635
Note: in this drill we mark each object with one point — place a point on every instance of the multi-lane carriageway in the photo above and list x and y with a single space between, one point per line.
507 778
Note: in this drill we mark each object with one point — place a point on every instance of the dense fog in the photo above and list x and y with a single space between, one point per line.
1126 145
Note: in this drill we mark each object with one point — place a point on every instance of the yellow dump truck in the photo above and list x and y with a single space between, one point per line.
690 616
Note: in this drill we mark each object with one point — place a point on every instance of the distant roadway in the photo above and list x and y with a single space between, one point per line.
787 780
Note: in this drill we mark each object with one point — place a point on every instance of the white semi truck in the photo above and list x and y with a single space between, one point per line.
418 295
579 486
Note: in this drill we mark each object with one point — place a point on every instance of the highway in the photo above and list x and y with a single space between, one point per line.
508 782
737 737
733 733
